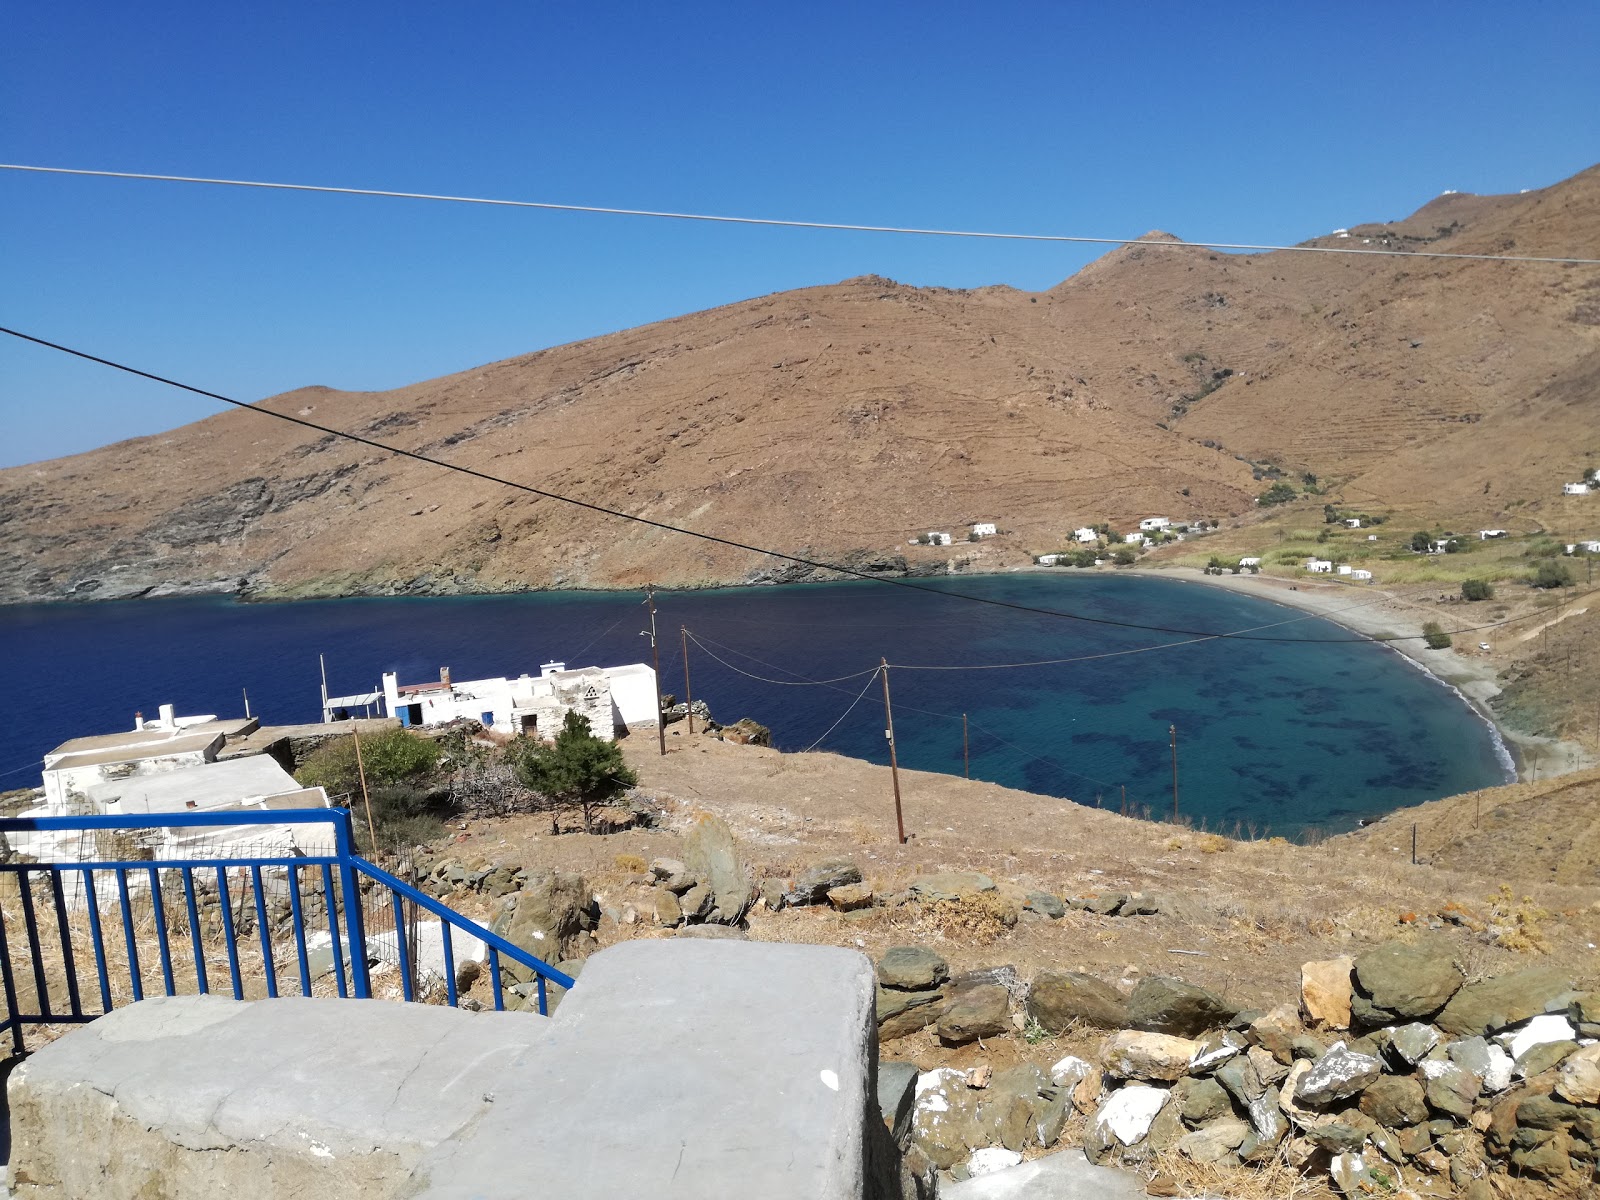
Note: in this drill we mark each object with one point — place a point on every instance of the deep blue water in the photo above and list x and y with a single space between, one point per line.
1284 735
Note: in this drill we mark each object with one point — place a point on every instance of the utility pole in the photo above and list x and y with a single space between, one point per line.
361 773
688 696
246 693
1172 730
894 763
966 758
655 662
1124 799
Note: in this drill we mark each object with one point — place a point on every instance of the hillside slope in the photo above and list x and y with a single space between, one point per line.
838 421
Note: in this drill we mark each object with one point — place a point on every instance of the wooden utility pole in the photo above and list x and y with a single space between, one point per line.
1172 730
966 758
688 696
655 662
894 762
361 773
1124 799
246 693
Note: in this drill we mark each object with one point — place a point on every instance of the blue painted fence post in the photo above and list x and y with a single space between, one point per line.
355 927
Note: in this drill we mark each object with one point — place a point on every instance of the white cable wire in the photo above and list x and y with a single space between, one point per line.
771 221
845 713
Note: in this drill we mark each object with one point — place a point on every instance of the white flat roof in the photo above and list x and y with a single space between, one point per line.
201 787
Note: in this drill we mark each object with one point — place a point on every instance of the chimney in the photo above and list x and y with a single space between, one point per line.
138 722
444 676
169 717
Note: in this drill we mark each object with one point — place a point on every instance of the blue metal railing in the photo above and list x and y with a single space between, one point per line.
337 881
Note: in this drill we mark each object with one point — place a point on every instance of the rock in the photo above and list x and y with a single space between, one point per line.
1215 1143
667 868
1070 1072
979 1076
1011 1108
1057 998
1132 1054
991 1159
1239 1077
668 911
1541 1111
1087 1094
1497 1003
944 1119
1338 1137
1200 1100
1551 1159
1268 1069
1165 1131
813 885
976 1012
897 1094
696 903
1325 992
850 897
1412 1043
1045 904
746 732
713 933
1160 1004
1267 1121
1579 1081
1214 1050
912 968
900 1013
1408 980
1338 1075
1538 1033
1276 1030
1394 1100
1488 1062
546 918
772 894
710 855
1127 1113
1449 1088
1542 1058
1105 904
1004 976
950 885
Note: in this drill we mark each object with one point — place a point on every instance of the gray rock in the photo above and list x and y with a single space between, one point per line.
1411 1044
1239 1077
912 968
710 855
1057 998
901 1013
1494 1004
1338 1075
668 911
1046 905
727 933
983 1010
1105 904
1408 980
1140 904
1267 1121
944 1122
546 918
950 885
1449 1088
1010 1105
1200 1100
1161 1004
666 868
897 1089
1216 1049
696 903
812 885
1394 1100
772 894
1067 1175
1337 1137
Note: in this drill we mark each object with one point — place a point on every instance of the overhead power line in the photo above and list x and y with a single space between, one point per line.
814 564
835 226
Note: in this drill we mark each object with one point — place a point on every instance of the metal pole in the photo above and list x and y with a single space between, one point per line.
1173 731
322 663
688 696
246 694
655 661
894 763
966 758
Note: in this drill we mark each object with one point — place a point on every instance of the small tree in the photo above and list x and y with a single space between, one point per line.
1278 493
392 758
1433 633
1421 540
1552 575
1476 589
577 768
1124 556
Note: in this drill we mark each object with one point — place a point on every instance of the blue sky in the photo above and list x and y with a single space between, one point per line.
1259 123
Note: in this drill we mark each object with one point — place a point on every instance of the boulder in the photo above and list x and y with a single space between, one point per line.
1160 1004
900 1013
1410 1044
1011 1104
1214 1050
668 911
1579 1080
1132 1054
1408 980
1127 1114
813 885
1057 998
1337 1075
950 885
711 857
1275 1031
1395 1101
912 968
547 918
1449 1088
944 1119
1494 1004
1045 905
1325 992
980 1011
850 897
1200 1100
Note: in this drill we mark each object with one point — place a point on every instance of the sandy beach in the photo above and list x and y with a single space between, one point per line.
1380 614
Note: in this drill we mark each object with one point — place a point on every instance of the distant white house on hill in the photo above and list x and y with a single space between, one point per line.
983 529
1585 547
1133 537
1048 560
1153 523
1319 566
1250 562
1361 576
938 539
1575 489
1352 522
1485 535
612 699
1085 535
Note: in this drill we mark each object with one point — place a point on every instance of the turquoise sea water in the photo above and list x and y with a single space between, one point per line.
1281 735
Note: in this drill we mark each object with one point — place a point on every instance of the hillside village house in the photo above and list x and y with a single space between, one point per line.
1586 547
1485 535
983 529
1250 562
1086 536
1130 538
1319 566
1343 569
1362 576
1575 489
1048 560
1153 523
1352 522
938 539
613 699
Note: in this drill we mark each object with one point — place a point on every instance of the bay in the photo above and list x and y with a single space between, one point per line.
1318 730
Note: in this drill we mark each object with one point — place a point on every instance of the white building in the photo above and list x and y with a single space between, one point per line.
1250 562
150 748
1361 576
1319 566
1086 536
1343 569
1048 560
1130 538
1352 522
1153 523
1575 489
983 529
613 699
938 539
1485 534
1585 547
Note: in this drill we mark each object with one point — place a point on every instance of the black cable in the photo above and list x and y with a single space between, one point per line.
706 537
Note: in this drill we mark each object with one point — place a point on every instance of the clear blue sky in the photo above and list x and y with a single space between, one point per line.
1264 122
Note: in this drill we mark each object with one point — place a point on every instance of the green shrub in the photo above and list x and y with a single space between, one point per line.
391 758
1552 575
1476 589
1433 633
1278 493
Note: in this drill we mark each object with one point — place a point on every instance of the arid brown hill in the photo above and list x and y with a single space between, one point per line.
838 421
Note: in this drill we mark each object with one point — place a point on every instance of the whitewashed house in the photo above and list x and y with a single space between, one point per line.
983 529
150 748
1085 536
1150 524
1319 566
1361 576
938 539
612 699
1343 569
1250 562
1485 535
1131 538
1372 537
1585 547
1048 560
1575 489
1352 522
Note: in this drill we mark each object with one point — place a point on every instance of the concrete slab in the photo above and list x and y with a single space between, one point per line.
687 1069
1066 1175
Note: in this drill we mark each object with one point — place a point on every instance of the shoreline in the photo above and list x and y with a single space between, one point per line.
1375 613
